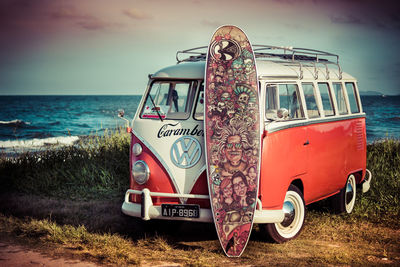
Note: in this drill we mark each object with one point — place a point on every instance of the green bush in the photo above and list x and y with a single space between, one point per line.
382 202
96 167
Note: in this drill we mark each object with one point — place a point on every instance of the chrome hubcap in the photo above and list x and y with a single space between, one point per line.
349 193
289 210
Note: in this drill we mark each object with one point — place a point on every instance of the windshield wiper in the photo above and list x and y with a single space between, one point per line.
157 109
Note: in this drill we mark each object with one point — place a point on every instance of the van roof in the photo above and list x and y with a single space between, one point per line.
266 69
272 62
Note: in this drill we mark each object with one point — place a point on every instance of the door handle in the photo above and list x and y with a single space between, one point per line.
306 143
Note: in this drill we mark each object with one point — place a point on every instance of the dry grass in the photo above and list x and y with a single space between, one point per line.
326 239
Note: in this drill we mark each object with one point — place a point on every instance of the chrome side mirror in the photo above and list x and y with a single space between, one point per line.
121 114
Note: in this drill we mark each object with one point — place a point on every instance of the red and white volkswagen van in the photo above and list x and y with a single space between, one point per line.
313 145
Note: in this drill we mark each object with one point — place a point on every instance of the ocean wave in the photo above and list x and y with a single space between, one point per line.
37 143
14 123
83 125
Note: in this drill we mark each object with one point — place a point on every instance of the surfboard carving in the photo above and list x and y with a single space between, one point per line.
232 137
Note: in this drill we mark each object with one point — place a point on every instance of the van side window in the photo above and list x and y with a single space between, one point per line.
354 108
326 99
337 87
199 109
311 103
282 102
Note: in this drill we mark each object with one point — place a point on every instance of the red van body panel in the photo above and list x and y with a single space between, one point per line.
284 157
321 155
159 180
200 188
338 149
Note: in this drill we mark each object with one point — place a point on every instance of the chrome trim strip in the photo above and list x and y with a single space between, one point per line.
291 124
159 194
292 77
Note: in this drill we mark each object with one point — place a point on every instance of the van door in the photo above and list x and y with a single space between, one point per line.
285 151
327 141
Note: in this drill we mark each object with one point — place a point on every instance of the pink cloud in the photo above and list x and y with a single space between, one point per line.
83 20
68 12
92 25
135 13
211 23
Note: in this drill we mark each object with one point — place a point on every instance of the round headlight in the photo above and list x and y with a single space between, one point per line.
137 149
140 172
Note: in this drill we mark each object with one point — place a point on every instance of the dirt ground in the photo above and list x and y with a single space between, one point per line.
12 254
323 242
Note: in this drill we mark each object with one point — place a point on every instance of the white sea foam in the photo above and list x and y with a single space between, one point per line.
14 122
37 143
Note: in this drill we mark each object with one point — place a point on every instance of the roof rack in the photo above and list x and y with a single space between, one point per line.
196 54
294 55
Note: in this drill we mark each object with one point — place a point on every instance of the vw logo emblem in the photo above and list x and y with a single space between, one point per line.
185 152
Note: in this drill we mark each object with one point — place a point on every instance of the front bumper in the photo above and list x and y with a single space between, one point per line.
146 210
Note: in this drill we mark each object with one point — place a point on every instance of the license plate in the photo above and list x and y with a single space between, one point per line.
183 211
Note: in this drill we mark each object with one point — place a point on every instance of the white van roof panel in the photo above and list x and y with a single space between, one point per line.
190 70
265 69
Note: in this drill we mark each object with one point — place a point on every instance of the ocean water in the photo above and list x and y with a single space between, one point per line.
383 116
31 122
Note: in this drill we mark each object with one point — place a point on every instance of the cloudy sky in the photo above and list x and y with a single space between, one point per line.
109 47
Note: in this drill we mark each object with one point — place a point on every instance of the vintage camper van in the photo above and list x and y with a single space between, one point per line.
313 144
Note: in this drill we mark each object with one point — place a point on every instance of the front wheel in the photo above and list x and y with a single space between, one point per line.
290 227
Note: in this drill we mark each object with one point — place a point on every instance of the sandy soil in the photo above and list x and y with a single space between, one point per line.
17 255
12 255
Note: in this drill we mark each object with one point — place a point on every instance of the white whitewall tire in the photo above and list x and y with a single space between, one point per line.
295 211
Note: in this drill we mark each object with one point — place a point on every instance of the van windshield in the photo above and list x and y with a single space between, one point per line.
168 100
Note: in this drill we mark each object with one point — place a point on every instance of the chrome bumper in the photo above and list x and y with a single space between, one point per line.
146 210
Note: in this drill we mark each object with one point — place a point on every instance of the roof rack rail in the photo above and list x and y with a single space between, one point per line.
295 53
299 55
289 54
197 54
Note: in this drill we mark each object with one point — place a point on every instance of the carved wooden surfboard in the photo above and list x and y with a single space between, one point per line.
232 136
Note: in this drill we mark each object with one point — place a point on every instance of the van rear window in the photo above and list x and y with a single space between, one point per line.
311 103
326 99
339 92
168 100
354 108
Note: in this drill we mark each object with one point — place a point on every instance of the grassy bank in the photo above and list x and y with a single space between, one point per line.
382 203
96 167
71 201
